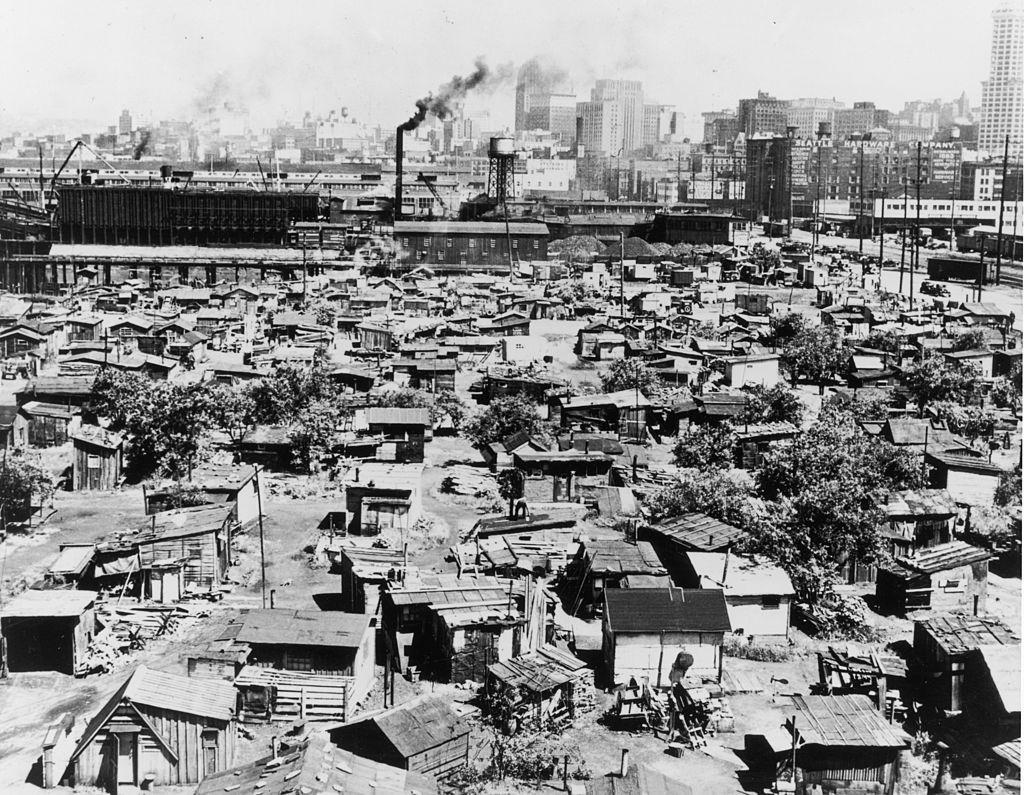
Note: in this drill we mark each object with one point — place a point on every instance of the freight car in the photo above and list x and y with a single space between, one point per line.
950 267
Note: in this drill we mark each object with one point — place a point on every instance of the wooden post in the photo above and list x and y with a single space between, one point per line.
302 703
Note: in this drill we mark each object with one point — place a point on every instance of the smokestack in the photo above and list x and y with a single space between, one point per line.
399 157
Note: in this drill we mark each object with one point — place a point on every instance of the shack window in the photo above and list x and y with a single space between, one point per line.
770 602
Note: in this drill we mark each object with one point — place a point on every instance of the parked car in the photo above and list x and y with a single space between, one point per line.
934 288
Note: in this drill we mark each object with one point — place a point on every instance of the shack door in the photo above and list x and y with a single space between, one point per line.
94 470
126 772
209 751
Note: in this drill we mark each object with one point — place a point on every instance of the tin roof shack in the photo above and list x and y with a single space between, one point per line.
918 519
555 476
844 745
499 455
97 459
947 577
47 631
753 370
315 764
647 632
626 412
546 688
452 628
328 644
201 535
425 735
364 571
971 481
979 359
381 497
754 442
432 375
944 645
609 564
157 729
403 431
63 390
268 446
49 424
220 484
673 538
758 594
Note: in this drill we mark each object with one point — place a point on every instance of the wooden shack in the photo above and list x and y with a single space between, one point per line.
950 576
944 646
157 729
425 735
47 631
646 632
49 424
402 431
555 476
548 688
315 764
918 519
200 534
843 745
98 459
382 496
364 571
602 564
221 484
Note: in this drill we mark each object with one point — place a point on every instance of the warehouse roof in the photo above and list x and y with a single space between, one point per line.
468 228
646 610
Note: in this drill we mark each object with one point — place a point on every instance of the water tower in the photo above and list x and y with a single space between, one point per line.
501 171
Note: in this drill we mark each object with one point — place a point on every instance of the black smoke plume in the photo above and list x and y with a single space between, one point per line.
141 146
440 103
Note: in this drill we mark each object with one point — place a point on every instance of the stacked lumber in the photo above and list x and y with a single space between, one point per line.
125 629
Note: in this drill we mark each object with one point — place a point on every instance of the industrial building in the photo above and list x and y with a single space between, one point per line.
458 244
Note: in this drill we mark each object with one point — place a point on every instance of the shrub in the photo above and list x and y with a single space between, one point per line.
740 647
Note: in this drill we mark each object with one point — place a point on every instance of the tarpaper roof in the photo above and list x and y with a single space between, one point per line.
48 604
419 725
621 557
539 671
652 610
699 531
303 628
957 634
743 576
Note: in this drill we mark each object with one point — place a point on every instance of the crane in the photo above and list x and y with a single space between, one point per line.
97 155
433 191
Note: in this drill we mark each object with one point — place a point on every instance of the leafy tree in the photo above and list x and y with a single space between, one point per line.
323 312
510 487
862 408
502 418
888 341
714 492
815 354
932 380
444 403
969 340
449 404
973 422
281 396
778 403
1008 492
20 482
234 409
1006 390
784 328
707 446
708 331
628 374
314 432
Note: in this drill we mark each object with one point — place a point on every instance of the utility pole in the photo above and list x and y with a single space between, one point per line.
1002 204
817 200
860 209
622 276
916 261
952 203
881 236
903 231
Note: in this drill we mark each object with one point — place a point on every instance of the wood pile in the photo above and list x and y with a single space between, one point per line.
125 629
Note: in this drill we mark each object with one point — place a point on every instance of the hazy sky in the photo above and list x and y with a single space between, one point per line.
84 61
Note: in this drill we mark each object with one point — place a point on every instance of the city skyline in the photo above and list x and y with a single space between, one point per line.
163 63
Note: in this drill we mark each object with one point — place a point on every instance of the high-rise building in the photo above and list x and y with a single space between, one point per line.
1002 95
124 122
629 96
762 114
536 84
555 113
859 120
660 122
720 127
808 112
768 176
600 127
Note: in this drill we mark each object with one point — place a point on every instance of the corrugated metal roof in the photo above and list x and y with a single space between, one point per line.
316 765
665 610
845 722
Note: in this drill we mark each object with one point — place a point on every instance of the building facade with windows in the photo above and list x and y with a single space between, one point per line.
460 244
1002 95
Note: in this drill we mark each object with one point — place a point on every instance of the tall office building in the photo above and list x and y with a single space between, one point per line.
628 95
808 112
539 89
762 114
124 122
600 127
1002 103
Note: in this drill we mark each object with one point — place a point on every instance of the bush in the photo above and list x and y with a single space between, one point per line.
741 648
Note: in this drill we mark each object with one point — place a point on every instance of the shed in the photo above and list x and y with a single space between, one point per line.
157 729
97 458
918 518
200 534
971 480
47 631
364 571
844 745
383 496
315 764
425 735
648 632
402 430
948 576
758 594
49 424
550 687
601 564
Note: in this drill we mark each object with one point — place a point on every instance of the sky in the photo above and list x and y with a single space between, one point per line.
72 66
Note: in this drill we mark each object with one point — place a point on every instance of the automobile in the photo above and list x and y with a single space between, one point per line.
934 288
936 244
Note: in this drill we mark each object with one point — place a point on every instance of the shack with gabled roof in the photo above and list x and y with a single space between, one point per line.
950 576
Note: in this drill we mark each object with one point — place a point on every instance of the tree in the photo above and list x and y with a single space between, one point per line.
887 341
628 374
324 313
870 407
815 354
969 340
447 403
510 487
784 328
234 409
281 396
314 432
502 418
932 380
444 403
716 493
973 422
772 404
708 331
20 482
1006 389
1008 491
708 446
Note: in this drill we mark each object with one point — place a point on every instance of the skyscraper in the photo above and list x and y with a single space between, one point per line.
124 122
1002 103
628 95
539 88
